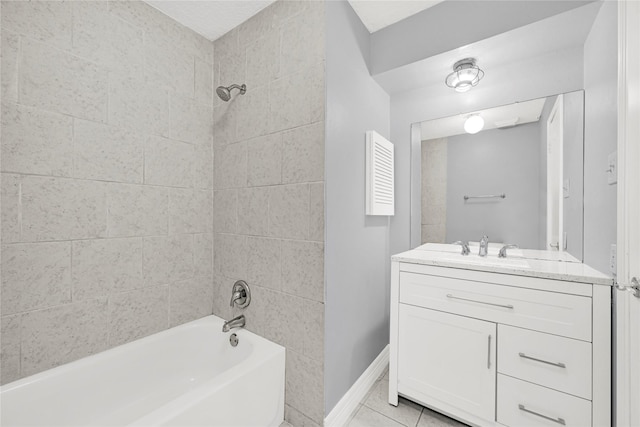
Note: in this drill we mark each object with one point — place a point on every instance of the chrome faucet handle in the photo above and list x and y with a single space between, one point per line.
465 246
503 250
240 294
484 246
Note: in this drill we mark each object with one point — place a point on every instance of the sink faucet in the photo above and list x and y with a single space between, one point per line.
503 250
484 246
465 246
236 322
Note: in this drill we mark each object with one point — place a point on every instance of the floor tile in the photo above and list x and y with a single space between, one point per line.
431 418
366 417
406 413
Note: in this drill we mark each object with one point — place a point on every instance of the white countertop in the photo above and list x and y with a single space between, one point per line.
532 263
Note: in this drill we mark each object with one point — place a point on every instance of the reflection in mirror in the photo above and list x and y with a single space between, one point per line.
519 180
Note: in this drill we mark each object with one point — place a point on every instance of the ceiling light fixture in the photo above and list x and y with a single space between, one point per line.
466 74
473 124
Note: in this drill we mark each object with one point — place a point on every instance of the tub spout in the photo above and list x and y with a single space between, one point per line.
236 322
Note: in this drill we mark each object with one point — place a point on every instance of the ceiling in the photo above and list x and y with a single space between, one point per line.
214 18
377 14
494 55
210 18
497 117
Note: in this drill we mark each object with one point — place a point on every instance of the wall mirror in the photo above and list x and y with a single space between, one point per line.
517 176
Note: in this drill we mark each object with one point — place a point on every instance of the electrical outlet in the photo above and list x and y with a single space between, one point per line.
612 172
613 259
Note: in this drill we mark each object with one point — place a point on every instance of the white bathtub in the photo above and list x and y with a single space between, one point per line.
185 376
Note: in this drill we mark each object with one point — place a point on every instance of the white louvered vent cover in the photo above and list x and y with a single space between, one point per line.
380 196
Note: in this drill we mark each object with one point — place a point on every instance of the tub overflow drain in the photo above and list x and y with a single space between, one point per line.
233 339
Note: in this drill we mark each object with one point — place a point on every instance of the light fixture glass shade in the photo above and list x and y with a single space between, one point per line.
473 124
466 74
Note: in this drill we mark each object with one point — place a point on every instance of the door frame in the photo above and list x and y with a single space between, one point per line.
556 118
628 239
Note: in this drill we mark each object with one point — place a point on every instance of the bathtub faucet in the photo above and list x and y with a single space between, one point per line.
236 322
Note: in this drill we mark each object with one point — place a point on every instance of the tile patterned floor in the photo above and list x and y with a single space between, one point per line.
375 411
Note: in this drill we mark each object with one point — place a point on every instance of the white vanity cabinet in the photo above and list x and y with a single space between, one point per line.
500 349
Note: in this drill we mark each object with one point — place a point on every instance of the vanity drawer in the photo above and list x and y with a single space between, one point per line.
559 363
522 404
556 313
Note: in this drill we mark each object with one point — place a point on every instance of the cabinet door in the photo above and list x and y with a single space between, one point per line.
447 359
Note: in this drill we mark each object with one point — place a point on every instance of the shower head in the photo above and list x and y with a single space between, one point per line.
225 92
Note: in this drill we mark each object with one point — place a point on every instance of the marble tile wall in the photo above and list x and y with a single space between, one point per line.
107 179
434 190
269 189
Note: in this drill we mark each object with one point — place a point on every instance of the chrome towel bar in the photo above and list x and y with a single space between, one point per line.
488 196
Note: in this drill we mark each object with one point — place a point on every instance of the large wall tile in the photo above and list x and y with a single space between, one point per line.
190 211
10 186
252 211
137 210
168 162
225 211
313 329
303 154
230 254
36 141
61 334
204 82
203 254
203 165
230 166
107 153
224 122
46 21
62 209
284 321
289 211
264 160
303 39
167 259
105 266
9 64
106 39
10 351
35 275
288 107
55 80
316 213
263 60
138 105
190 121
138 313
263 261
304 389
303 269
253 113
168 66
190 299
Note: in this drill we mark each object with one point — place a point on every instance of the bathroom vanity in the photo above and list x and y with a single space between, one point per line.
516 341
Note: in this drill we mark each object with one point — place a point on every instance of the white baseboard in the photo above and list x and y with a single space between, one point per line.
340 414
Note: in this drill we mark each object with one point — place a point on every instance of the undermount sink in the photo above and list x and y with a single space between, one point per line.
452 253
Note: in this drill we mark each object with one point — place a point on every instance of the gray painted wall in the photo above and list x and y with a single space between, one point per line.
493 162
600 83
356 246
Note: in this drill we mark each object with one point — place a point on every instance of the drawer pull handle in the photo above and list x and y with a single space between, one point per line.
489 353
481 302
558 364
555 420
